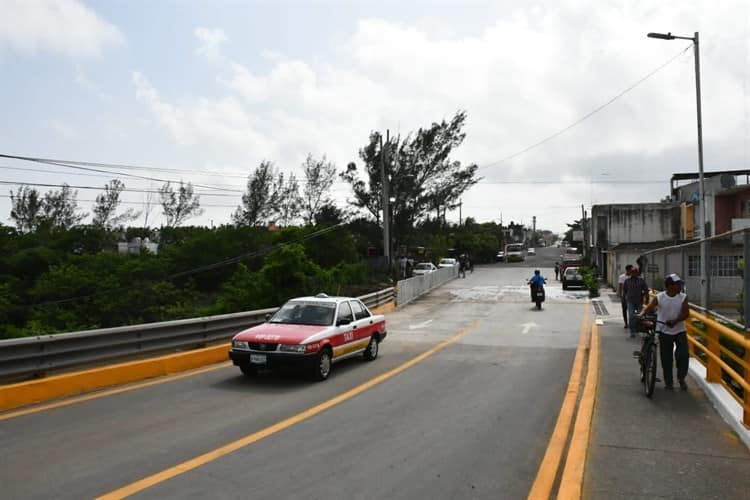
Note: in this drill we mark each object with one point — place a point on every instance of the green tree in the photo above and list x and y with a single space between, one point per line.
261 198
422 177
26 208
180 205
319 178
239 293
106 206
61 209
289 200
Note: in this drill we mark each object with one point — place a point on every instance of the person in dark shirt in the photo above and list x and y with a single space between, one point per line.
635 291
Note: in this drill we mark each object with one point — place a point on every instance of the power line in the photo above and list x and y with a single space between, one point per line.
587 115
76 163
122 202
80 167
100 188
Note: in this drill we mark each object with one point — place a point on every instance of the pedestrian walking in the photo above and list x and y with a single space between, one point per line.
635 291
557 271
623 303
672 311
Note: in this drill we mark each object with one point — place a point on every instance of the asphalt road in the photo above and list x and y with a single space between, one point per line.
470 420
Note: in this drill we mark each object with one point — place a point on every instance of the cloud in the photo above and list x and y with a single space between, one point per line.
220 125
522 77
210 41
59 26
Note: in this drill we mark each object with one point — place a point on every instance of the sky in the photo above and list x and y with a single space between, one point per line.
569 104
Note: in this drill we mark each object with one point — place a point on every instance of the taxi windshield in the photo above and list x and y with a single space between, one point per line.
305 313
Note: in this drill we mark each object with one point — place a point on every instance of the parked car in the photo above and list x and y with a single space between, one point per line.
514 252
500 257
312 333
530 251
424 268
572 276
447 262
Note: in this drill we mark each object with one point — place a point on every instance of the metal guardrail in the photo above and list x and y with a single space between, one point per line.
36 356
732 370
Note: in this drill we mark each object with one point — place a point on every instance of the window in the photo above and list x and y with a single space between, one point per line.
694 265
360 312
345 312
725 265
721 265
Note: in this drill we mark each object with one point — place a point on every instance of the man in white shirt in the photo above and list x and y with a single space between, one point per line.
620 280
672 311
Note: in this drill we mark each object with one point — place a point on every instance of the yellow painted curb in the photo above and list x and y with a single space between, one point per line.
571 483
57 386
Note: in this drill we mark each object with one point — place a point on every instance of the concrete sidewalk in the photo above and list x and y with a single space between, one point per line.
675 445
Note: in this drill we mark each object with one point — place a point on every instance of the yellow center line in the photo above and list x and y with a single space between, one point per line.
545 477
200 460
109 392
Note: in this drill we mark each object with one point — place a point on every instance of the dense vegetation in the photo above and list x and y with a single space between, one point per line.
74 279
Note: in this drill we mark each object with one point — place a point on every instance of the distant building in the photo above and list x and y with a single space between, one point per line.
136 246
621 232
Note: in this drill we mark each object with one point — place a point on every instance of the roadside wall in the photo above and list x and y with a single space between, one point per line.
410 289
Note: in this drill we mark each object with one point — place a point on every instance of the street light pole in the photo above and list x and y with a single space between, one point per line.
705 267
386 199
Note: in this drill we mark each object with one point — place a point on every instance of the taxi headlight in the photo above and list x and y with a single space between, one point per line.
240 344
296 348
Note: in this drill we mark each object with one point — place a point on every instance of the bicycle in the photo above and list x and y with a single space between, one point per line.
647 356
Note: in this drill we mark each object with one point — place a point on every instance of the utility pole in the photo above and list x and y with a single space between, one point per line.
583 226
533 230
460 204
386 208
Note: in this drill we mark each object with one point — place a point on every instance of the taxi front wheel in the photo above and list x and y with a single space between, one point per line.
322 365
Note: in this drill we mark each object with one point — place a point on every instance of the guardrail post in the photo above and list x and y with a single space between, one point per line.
691 333
713 369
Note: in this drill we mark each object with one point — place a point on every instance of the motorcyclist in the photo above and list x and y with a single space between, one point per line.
536 281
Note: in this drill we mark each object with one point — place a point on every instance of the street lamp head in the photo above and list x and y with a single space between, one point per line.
662 36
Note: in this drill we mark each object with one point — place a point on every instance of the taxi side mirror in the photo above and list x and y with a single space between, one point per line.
343 321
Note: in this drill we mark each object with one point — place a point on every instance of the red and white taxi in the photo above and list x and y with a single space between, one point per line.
313 331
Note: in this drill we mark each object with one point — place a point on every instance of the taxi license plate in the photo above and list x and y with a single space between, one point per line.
258 359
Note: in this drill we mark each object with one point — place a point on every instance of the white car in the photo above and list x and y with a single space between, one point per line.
424 268
447 262
530 251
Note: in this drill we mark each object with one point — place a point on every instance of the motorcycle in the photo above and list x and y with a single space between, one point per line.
537 294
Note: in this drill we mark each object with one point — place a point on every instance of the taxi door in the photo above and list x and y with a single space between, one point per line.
346 329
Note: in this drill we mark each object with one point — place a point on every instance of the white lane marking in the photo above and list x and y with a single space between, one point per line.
527 327
420 325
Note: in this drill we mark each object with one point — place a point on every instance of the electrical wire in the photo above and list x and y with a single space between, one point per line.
587 115
122 202
82 164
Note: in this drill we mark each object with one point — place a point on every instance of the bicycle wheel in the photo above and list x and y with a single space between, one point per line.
649 369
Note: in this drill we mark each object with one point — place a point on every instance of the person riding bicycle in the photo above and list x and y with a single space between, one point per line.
672 311
536 281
